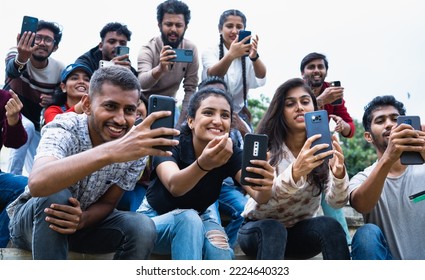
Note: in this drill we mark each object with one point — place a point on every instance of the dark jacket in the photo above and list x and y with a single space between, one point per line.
91 59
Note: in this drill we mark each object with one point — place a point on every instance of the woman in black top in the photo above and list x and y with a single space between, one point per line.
184 185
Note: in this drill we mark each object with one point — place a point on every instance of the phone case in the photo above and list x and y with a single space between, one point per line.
29 24
183 56
255 147
162 103
105 63
411 158
317 122
243 34
121 50
336 84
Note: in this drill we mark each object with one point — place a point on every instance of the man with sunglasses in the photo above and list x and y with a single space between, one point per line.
33 75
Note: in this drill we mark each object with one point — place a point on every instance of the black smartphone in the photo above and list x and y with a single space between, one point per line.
183 55
29 24
336 84
411 158
243 34
122 50
317 122
254 147
162 103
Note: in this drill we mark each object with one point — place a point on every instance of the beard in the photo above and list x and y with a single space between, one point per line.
175 44
380 144
314 83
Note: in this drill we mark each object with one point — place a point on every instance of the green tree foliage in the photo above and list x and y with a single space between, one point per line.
358 153
258 107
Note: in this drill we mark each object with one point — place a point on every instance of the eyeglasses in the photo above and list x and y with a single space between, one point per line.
47 40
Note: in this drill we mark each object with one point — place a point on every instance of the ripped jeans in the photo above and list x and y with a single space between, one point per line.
188 235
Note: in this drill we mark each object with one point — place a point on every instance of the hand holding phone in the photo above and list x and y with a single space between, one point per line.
255 147
410 158
336 84
29 24
317 122
162 103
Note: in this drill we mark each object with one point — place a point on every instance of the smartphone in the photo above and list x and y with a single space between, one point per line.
317 122
183 55
336 84
243 34
162 103
254 147
410 158
105 63
29 24
122 50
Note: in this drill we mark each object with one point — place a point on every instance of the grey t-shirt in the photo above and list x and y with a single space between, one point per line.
401 220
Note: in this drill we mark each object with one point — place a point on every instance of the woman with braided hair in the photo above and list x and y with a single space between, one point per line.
237 61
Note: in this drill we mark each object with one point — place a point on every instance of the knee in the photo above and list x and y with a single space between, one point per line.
61 197
189 219
367 232
218 239
140 225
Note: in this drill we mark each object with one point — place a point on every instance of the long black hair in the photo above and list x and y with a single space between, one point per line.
274 125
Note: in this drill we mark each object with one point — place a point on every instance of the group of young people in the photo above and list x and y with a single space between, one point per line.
91 157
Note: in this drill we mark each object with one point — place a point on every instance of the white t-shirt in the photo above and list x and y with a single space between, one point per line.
233 77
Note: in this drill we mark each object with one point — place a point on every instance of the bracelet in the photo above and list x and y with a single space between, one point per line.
200 167
255 58
21 65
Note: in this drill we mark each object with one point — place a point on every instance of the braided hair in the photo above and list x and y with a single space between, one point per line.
222 20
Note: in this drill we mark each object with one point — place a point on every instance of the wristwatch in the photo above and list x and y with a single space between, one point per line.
255 58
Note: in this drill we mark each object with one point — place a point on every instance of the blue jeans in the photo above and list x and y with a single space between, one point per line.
369 243
24 154
11 186
130 235
131 200
337 214
188 235
231 202
269 239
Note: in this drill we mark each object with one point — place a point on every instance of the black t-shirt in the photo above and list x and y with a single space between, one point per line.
205 192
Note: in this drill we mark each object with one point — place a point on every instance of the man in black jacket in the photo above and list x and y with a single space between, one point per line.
112 35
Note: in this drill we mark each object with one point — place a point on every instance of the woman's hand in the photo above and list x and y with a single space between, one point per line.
216 153
336 163
306 160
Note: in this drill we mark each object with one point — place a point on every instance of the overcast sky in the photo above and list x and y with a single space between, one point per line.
373 47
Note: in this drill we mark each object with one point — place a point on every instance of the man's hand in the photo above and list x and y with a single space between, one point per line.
24 42
330 94
141 140
403 138
64 219
13 107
